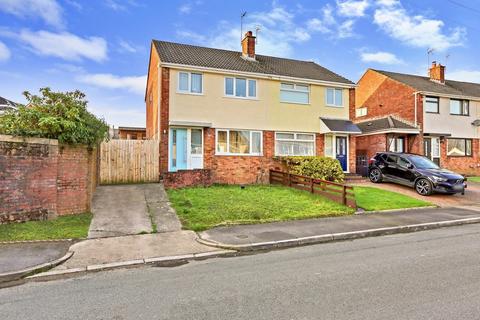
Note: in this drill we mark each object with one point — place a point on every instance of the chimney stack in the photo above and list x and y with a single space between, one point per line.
248 46
437 72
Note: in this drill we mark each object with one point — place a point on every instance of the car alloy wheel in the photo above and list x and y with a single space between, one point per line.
375 175
423 187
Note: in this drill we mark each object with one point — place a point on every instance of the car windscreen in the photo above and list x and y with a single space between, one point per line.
423 163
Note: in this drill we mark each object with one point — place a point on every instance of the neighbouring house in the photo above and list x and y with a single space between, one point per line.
227 114
131 133
431 116
6 104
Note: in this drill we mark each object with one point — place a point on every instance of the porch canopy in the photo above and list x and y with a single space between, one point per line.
387 124
328 125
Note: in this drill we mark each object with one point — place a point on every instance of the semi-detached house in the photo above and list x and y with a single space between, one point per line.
431 116
232 112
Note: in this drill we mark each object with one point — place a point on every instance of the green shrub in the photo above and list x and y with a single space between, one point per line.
55 115
324 168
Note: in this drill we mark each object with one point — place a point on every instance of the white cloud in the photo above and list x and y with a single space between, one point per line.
185 8
121 5
380 57
48 10
465 75
64 45
4 52
278 32
127 47
352 8
417 31
345 29
132 84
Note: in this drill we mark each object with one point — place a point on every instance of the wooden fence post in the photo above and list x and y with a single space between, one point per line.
311 185
289 180
344 196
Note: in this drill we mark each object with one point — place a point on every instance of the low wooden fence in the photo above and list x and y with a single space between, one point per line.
129 161
334 191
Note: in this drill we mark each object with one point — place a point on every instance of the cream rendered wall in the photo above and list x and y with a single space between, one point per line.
457 126
264 113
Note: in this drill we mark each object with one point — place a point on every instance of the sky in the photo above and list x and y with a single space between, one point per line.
102 47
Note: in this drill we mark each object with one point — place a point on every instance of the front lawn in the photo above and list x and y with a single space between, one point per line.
473 179
372 199
202 208
64 227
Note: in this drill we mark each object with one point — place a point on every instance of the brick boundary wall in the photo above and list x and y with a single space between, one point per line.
188 178
40 179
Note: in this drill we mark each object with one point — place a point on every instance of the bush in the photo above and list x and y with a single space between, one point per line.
55 115
323 168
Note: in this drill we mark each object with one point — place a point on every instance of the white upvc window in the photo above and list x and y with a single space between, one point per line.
334 97
295 93
190 82
361 112
238 142
294 144
240 87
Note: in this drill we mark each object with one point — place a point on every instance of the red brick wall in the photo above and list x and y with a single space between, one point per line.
164 118
187 178
463 165
352 154
40 179
372 144
151 95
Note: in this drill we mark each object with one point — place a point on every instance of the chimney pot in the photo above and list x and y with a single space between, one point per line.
248 45
437 72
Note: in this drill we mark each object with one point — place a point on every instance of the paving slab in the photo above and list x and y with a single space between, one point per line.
283 231
136 247
25 255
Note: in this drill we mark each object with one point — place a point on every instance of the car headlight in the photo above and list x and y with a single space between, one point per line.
438 179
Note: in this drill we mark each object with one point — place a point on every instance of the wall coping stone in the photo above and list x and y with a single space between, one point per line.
8 138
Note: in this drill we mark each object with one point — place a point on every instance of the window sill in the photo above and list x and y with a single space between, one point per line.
241 98
461 115
334 106
300 103
190 93
239 154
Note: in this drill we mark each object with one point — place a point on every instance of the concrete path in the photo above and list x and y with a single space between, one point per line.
19 259
128 248
246 237
130 209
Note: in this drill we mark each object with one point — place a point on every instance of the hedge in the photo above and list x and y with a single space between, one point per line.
323 168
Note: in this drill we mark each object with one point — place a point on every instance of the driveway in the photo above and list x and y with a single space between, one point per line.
471 197
120 210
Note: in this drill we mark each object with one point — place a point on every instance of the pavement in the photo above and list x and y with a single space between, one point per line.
423 275
120 210
293 233
19 259
471 197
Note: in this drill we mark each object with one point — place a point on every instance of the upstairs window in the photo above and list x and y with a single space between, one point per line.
295 93
361 112
240 87
189 82
432 104
459 107
334 97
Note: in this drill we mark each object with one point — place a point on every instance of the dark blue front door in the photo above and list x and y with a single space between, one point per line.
341 151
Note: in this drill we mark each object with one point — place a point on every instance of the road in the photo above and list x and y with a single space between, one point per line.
425 275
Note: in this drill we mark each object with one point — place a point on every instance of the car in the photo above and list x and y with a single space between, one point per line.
415 171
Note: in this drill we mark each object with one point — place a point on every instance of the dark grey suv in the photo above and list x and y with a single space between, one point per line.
414 171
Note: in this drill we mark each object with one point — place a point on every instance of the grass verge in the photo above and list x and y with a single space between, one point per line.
473 179
373 199
64 227
202 208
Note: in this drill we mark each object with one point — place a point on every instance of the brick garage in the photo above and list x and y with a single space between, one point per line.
40 179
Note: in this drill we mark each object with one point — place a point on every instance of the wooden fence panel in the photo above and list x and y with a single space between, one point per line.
129 161
334 191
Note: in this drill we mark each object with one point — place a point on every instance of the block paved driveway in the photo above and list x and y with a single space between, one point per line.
120 210
471 197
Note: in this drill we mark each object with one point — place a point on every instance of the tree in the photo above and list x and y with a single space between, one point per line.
55 115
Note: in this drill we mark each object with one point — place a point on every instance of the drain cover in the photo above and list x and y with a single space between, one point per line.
241 236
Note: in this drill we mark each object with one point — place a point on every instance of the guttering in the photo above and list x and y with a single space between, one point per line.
259 75
453 96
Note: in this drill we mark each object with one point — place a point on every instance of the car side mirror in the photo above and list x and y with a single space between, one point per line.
410 166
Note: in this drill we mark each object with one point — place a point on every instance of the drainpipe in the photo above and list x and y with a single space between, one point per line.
159 85
416 106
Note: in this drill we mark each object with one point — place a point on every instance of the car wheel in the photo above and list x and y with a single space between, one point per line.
424 187
375 175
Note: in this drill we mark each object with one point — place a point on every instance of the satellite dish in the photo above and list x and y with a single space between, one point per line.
476 123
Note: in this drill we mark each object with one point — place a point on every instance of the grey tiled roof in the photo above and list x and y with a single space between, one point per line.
340 125
425 84
6 102
385 123
190 55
